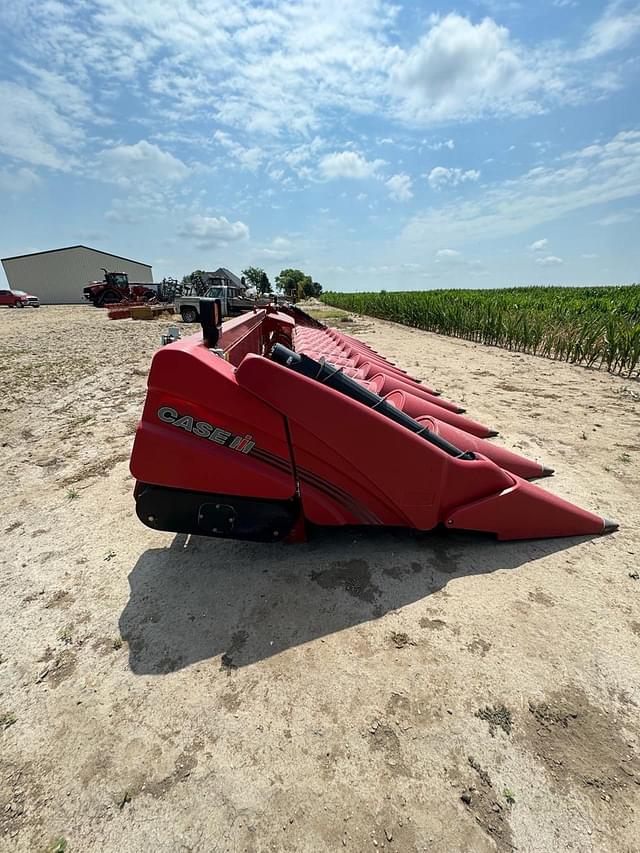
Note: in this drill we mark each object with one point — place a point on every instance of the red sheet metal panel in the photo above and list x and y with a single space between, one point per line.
203 446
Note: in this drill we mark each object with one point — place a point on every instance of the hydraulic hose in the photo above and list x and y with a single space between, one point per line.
327 374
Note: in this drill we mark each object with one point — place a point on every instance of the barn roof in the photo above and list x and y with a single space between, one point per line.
223 272
79 246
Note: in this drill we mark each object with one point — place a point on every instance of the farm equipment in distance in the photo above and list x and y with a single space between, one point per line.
270 423
116 288
232 302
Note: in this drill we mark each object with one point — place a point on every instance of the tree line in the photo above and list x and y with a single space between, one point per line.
293 284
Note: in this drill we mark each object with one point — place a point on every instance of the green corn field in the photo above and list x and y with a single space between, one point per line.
593 326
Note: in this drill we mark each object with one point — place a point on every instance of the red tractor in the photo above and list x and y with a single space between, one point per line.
115 287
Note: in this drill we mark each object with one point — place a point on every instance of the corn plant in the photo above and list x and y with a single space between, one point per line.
593 326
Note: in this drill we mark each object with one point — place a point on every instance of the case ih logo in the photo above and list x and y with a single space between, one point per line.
202 429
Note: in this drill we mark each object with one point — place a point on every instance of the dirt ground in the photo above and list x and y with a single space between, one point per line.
389 691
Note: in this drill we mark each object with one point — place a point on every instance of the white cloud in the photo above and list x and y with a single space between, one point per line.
279 250
438 146
399 187
440 176
348 164
614 30
595 175
54 88
448 262
589 256
460 69
303 64
301 159
143 203
33 130
549 261
298 58
209 232
141 164
249 158
619 144
300 154
539 245
18 180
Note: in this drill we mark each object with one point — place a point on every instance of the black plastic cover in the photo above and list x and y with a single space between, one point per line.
225 516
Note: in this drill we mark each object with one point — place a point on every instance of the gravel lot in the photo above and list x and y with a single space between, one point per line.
385 690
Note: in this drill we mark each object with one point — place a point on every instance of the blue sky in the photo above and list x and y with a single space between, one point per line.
375 145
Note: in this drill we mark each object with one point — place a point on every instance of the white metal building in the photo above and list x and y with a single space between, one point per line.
58 276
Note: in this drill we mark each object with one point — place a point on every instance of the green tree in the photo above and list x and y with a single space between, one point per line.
293 283
254 276
313 289
265 285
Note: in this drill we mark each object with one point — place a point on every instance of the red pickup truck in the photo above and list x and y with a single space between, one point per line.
18 299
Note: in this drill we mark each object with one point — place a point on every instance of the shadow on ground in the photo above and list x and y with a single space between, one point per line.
201 598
